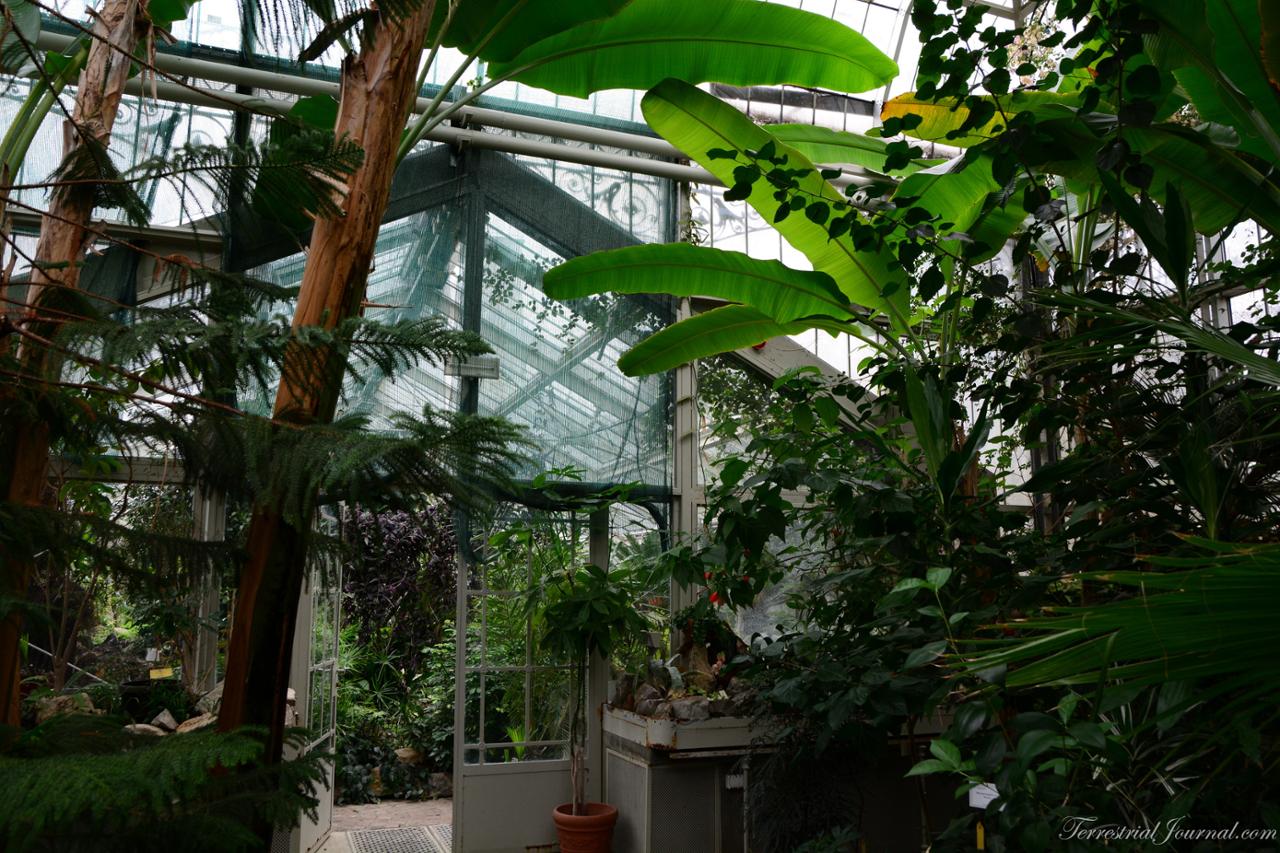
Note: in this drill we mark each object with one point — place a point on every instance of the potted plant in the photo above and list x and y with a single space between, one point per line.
580 613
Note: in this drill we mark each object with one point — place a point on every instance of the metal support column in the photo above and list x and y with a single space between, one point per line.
210 514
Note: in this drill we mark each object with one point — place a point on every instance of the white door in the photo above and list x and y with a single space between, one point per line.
313 677
511 729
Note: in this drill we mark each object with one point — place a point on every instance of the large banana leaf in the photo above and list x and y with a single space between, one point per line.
680 269
702 335
475 24
726 41
1218 185
955 191
824 145
939 119
1215 52
1001 216
696 123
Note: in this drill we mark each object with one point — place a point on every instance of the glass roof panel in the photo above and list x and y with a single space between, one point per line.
559 375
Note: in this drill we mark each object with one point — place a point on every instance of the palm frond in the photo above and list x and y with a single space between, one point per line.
1210 618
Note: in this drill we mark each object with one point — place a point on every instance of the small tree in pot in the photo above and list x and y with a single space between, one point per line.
579 613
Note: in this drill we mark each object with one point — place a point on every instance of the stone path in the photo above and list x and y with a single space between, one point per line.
387 814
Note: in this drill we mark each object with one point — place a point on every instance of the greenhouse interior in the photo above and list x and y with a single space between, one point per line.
729 426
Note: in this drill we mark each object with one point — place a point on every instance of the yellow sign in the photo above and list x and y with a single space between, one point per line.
162 672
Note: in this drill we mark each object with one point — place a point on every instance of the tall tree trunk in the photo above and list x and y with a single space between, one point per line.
377 93
24 457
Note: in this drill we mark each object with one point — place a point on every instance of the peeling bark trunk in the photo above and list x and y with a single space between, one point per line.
64 234
377 92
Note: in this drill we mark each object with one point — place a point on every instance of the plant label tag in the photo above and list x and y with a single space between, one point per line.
981 795
167 671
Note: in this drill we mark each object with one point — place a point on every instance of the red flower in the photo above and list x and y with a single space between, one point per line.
706 576
715 598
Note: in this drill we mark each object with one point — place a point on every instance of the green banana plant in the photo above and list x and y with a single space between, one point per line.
571 48
583 47
850 284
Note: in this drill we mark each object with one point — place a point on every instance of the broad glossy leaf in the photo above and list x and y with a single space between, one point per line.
523 22
741 42
824 145
717 331
937 120
696 123
679 269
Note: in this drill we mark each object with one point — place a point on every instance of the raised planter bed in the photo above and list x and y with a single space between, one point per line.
717 733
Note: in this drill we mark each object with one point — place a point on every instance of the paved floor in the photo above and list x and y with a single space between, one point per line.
388 814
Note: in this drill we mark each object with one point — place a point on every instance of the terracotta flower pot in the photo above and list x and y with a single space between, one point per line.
585 833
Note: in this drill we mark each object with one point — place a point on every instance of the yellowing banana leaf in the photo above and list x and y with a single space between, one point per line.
680 269
696 123
937 120
740 42
716 331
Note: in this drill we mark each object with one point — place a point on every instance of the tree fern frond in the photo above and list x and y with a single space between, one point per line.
90 163
401 344
75 782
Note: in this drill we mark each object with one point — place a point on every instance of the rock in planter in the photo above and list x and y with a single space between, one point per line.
624 692
63 703
649 707
726 707
658 676
409 755
145 729
164 720
441 785
211 702
647 692
691 708
662 712
195 724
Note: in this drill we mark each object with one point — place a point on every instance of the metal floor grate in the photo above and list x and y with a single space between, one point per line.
408 839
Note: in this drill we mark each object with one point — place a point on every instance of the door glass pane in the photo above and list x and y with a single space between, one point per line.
506 631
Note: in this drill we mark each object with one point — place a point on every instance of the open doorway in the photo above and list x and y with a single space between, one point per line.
394 702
